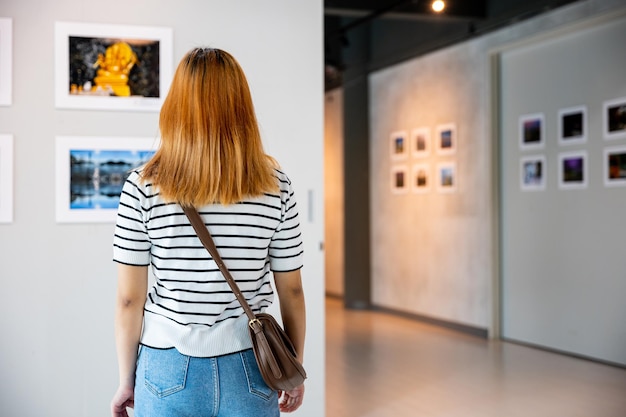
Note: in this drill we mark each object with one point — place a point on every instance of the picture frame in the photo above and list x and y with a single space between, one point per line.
615 166
420 142
398 145
573 170
420 178
399 179
446 177
614 118
90 174
533 171
6 178
532 131
112 67
573 125
446 137
6 61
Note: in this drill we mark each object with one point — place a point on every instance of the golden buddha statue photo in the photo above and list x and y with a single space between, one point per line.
113 69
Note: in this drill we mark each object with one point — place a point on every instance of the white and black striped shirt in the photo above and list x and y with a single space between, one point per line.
190 306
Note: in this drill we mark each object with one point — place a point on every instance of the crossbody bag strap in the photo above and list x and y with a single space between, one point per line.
209 244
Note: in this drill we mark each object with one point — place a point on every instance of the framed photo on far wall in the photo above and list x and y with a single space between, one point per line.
573 125
112 67
615 166
90 174
398 145
420 178
446 138
531 131
399 179
573 170
446 177
420 142
615 119
6 178
533 173
6 61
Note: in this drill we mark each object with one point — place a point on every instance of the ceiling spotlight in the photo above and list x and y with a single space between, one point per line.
438 6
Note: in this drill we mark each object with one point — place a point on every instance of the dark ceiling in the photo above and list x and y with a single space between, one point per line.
366 35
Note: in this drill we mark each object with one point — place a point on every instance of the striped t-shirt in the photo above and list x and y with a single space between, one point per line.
190 306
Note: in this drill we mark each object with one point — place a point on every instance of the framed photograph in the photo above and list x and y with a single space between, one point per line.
573 125
531 131
420 142
420 178
615 166
533 173
6 61
112 67
446 177
90 174
399 179
573 170
615 118
446 139
398 145
6 178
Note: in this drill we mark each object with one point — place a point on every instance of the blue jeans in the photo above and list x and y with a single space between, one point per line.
169 384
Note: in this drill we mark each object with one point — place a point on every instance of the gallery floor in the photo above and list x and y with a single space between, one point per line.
381 365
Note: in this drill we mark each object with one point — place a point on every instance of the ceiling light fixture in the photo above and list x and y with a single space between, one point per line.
438 6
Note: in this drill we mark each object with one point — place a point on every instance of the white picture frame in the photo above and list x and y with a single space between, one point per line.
6 178
420 142
533 173
532 131
421 178
447 177
6 61
399 177
615 166
573 170
614 118
399 145
573 125
90 172
76 85
446 138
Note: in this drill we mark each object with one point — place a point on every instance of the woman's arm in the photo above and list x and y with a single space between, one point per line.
132 285
293 313
292 307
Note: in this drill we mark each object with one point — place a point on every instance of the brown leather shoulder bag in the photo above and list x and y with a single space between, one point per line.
273 350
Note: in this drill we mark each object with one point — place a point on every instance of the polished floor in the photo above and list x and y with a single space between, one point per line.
381 365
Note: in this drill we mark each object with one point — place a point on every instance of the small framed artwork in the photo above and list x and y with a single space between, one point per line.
420 142
112 67
399 179
615 166
420 178
615 119
573 125
398 145
531 131
6 60
573 170
90 174
446 177
446 138
6 178
533 173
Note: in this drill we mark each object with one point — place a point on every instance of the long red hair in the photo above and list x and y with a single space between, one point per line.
211 149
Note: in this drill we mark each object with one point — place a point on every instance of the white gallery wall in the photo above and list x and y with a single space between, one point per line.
57 356
435 249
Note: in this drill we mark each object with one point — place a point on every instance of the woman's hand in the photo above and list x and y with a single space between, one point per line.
291 400
123 398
